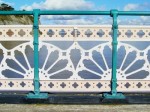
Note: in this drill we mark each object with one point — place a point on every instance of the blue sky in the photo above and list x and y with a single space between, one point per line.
141 5
106 4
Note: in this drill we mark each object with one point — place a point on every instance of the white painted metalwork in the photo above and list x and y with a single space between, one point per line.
75 58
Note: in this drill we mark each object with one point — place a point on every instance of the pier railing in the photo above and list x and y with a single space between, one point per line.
90 58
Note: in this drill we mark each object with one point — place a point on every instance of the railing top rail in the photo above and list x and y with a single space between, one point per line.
76 26
16 12
134 13
74 12
49 12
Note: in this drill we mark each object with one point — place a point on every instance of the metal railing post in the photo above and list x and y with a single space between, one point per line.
114 94
36 94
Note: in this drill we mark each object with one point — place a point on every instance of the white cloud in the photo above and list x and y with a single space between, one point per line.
60 17
60 5
68 5
131 7
86 20
75 22
145 20
141 20
84 5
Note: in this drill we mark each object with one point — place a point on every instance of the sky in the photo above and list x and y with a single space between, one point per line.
99 5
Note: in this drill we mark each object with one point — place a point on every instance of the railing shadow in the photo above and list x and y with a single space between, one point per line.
86 99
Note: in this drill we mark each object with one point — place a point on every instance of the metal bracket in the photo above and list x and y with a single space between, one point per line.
35 43
114 43
35 27
113 96
33 95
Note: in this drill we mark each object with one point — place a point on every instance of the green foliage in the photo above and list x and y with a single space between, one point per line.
13 19
6 7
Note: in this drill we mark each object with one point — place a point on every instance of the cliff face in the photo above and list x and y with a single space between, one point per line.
16 20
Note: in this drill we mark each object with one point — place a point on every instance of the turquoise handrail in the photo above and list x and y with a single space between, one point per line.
36 94
120 13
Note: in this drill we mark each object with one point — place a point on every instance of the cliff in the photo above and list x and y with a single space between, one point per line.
16 20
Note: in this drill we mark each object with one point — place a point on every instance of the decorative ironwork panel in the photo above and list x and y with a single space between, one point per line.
75 58
94 63
15 33
75 63
75 86
16 85
134 33
133 53
16 58
75 33
133 86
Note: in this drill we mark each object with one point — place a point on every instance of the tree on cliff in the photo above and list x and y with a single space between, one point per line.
6 7
14 19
